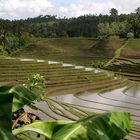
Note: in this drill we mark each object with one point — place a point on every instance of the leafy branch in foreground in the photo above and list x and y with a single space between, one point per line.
36 83
5 117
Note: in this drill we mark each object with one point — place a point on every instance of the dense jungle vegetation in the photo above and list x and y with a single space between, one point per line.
83 26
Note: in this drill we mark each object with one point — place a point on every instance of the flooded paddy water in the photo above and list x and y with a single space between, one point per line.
92 101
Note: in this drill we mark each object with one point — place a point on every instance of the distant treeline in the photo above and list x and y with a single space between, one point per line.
82 26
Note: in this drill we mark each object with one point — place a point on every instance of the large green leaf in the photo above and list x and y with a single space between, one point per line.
12 99
25 136
5 117
6 135
45 128
5 111
22 96
107 126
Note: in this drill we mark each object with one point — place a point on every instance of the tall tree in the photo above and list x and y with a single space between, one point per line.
114 12
134 21
137 10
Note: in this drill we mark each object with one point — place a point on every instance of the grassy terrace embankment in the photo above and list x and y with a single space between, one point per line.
81 51
126 62
132 49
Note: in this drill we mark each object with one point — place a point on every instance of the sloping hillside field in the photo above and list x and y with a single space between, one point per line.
73 92
80 51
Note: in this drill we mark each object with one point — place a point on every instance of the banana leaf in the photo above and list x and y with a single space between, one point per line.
5 117
25 136
45 128
107 126
22 96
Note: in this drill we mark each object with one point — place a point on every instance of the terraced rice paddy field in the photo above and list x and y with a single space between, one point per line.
74 92
129 68
127 65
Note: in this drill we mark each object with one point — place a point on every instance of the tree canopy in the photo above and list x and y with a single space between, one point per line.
82 26
15 34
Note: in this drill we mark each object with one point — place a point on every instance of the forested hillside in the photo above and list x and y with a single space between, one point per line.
15 35
86 26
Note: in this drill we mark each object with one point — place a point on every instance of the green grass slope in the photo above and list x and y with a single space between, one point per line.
81 51
43 48
132 49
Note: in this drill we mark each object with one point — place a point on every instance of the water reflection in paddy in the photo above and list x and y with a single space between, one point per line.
91 101
134 92
114 100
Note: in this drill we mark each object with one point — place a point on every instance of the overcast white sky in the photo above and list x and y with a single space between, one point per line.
21 9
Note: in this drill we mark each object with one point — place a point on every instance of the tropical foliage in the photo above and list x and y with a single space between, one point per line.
106 126
36 83
102 127
11 44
